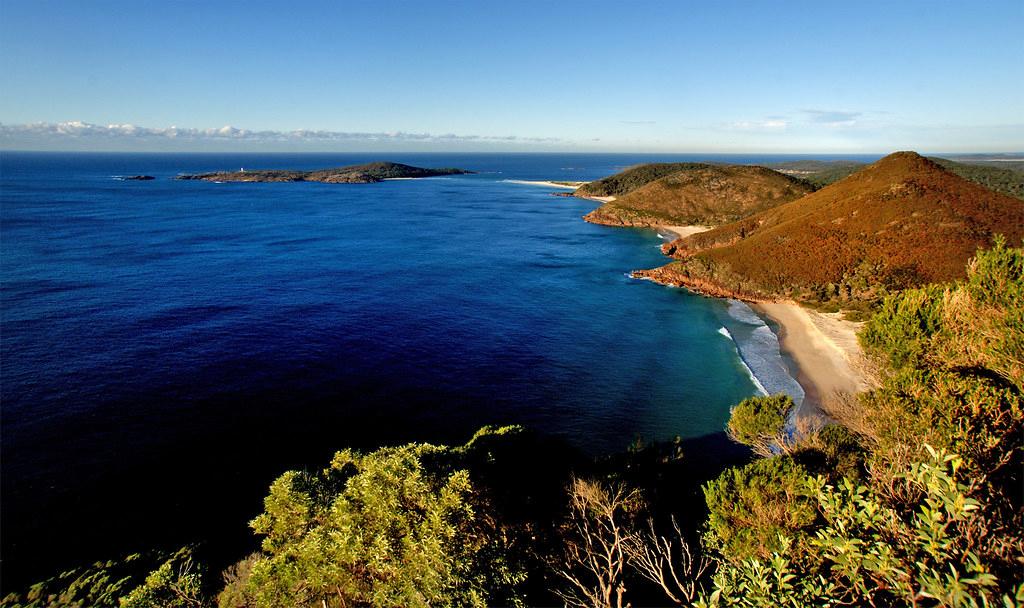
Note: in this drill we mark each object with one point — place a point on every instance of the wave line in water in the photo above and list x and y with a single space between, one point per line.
750 373
759 351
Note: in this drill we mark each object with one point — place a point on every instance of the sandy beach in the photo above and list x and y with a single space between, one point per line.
825 349
683 231
547 184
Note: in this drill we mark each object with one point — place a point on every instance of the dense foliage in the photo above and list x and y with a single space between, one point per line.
760 422
756 508
136 581
868 551
400 526
998 179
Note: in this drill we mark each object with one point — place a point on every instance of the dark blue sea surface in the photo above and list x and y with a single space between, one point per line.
170 347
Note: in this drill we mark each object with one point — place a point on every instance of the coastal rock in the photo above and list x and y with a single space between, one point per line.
606 220
673 276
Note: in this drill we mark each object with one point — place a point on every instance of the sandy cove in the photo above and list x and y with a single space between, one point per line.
828 356
546 184
682 232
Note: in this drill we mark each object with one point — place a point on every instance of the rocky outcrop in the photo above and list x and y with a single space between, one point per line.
673 276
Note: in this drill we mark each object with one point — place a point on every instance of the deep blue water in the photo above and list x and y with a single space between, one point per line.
169 347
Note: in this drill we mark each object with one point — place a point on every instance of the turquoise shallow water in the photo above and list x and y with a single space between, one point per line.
169 347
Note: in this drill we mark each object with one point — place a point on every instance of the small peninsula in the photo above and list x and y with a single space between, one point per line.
368 173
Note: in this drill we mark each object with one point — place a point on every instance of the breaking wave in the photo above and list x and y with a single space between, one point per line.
759 350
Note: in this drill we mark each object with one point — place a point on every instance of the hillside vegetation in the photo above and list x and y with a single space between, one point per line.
902 222
1003 177
999 179
353 174
700 195
632 178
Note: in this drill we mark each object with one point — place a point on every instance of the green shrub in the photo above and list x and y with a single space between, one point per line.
751 507
867 552
137 580
393 527
177 583
760 422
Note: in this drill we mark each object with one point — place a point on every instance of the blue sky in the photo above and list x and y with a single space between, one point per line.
513 75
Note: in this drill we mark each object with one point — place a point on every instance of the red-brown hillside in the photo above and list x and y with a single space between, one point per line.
902 221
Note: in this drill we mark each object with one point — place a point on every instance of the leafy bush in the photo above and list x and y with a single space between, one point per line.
868 552
760 422
752 507
177 583
399 526
139 579
843 452
918 525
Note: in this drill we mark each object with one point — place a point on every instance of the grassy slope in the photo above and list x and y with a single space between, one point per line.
902 221
701 194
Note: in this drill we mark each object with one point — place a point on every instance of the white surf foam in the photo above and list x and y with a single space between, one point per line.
761 355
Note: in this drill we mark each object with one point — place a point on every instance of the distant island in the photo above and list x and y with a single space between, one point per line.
354 174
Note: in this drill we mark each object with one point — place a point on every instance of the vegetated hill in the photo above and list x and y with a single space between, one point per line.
818 173
632 178
701 195
901 222
354 174
1004 177
1004 180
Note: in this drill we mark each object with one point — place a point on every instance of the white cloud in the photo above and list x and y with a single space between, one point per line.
83 130
771 124
832 118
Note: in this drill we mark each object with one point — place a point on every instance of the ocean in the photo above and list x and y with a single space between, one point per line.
167 348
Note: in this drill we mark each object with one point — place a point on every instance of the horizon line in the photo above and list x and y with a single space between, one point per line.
523 152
